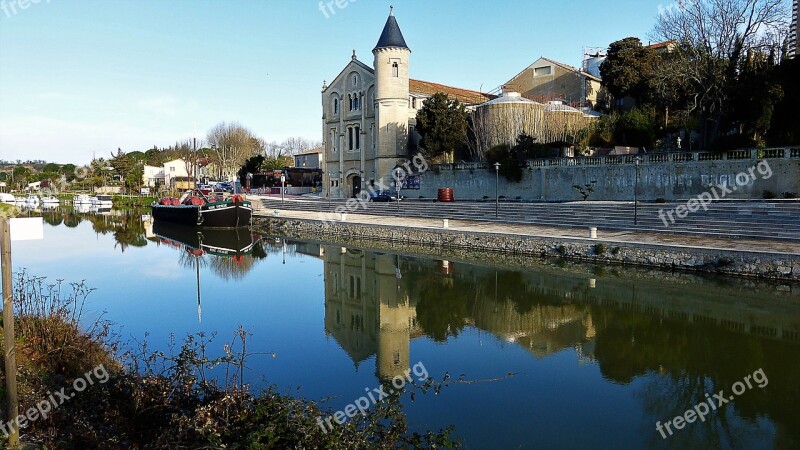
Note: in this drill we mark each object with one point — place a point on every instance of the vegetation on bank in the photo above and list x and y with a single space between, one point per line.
155 399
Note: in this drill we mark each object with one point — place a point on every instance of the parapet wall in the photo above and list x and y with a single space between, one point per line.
671 176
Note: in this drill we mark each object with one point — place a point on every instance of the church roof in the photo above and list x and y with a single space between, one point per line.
391 36
463 95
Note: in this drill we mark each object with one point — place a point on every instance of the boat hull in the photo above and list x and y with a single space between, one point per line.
220 242
220 215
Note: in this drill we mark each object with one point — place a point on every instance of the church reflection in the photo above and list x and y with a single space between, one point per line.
698 334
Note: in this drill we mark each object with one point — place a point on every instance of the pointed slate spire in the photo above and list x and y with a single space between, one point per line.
391 36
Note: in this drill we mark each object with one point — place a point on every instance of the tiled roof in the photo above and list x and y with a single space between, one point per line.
660 45
463 95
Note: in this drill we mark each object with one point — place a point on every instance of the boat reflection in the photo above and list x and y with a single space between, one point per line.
229 253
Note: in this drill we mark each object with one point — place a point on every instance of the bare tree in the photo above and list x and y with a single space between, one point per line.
713 36
231 145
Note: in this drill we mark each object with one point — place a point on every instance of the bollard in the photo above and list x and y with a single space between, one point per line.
593 232
445 223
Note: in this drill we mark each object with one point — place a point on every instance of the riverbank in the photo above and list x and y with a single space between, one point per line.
778 260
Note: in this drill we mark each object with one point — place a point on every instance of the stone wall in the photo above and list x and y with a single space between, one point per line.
731 262
671 176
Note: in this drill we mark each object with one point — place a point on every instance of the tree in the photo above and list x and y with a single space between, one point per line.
232 144
628 69
442 124
51 168
713 36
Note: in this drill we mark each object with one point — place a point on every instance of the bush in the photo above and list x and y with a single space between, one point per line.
768 195
661 200
789 195
599 249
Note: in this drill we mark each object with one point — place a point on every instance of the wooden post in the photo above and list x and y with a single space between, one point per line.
9 340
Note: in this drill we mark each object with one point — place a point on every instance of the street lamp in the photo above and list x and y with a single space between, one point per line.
638 160
496 189
283 187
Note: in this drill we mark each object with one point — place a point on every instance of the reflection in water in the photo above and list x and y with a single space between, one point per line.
662 340
231 254
690 339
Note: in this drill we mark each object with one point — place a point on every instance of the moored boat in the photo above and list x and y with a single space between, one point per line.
81 199
50 200
7 198
103 201
195 210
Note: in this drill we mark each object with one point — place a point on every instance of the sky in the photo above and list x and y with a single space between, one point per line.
82 78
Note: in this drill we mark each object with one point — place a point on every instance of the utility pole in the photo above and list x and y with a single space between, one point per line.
9 339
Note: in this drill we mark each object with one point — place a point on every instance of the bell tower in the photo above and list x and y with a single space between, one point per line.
391 95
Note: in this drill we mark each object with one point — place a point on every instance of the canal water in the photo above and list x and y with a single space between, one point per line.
550 355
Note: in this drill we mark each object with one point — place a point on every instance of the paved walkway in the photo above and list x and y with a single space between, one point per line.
609 237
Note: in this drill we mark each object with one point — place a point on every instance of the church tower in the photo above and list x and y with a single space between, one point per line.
391 96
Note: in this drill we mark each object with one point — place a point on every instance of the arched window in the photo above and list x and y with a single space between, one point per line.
395 70
336 106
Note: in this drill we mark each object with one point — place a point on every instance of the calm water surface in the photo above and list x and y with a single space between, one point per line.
598 355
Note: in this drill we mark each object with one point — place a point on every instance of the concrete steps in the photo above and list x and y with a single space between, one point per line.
777 221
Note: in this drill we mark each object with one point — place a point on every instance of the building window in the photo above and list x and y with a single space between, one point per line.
542 71
336 106
355 80
357 132
333 140
395 70
350 139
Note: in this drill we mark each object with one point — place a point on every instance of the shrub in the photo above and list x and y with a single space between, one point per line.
661 200
768 195
599 249
789 195
561 250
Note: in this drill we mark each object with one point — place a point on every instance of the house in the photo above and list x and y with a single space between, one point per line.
369 114
175 169
309 160
547 80
153 176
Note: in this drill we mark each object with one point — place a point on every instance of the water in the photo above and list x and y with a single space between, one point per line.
597 355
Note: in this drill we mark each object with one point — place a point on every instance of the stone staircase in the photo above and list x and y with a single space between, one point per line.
774 220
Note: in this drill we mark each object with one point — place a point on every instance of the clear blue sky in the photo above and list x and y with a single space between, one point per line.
84 77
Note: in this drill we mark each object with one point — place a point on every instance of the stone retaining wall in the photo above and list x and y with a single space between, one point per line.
731 262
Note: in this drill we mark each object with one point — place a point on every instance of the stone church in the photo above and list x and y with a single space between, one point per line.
369 113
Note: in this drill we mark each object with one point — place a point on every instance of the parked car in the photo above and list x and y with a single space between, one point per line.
383 196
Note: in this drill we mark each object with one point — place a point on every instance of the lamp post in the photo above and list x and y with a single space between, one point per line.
638 160
283 187
496 189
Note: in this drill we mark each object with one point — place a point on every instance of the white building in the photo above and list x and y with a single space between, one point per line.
174 169
153 176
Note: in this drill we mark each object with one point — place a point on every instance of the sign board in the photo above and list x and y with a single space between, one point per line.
27 229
